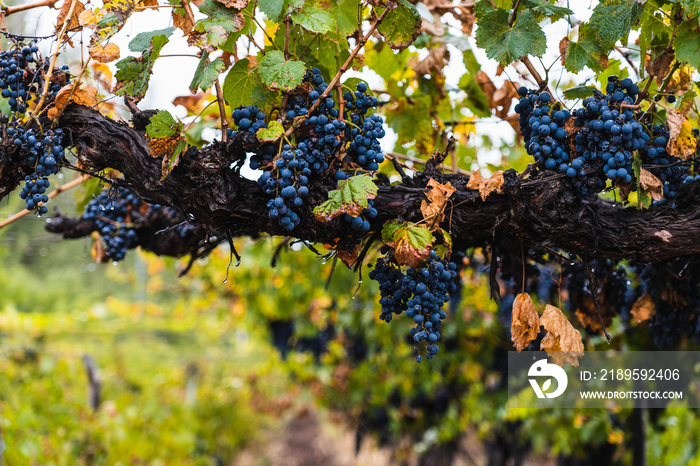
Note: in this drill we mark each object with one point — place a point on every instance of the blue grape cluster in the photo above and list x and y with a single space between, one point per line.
671 175
287 181
364 148
43 153
110 210
249 119
34 192
13 79
607 135
420 292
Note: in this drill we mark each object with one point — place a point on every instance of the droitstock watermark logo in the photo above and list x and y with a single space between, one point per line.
541 369
604 379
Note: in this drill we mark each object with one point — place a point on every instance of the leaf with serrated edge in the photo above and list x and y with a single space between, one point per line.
243 86
206 73
562 341
504 43
524 322
278 73
171 161
401 26
579 92
104 54
351 197
314 20
613 20
651 184
412 244
273 132
643 308
163 125
142 41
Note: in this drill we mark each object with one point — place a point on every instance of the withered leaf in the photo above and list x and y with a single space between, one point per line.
564 48
237 4
86 96
652 184
73 21
658 68
486 186
150 4
562 341
524 322
681 142
88 19
182 21
437 195
104 54
643 308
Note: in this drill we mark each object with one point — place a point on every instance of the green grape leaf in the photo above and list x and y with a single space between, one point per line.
384 61
273 132
504 43
444 246
142 41
314 20
271 8
345 14
278 73
612 20
687 44
163 125
401 26
212 32
351 197
584 52
412 242
546 8
206 73
579 92
244 87
133 73
476 99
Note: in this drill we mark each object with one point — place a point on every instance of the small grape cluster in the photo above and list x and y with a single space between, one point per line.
364 148
421 292
288 188
14 72
110 211
249 119
662 164
43 153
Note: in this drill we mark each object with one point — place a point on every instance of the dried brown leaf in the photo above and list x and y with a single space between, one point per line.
150 4
182 21
86 96
562 341
564 48
73 21
237 4
408 255
644 308
658 68
104 54
349 257
486 185
436 60
524 322
681 142
437 195
652 184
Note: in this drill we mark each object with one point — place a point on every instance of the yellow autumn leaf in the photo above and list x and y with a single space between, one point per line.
562 341
106 53
524 322
89 19
86 96
681 142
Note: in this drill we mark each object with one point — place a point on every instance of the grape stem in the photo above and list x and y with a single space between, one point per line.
56 192
8 10
54 57
342 69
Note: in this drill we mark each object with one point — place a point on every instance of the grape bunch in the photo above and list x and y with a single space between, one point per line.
421 292
364 148
17 80
608 133
43 153
110 212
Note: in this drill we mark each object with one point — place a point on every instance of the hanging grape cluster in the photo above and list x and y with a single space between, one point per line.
420 292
